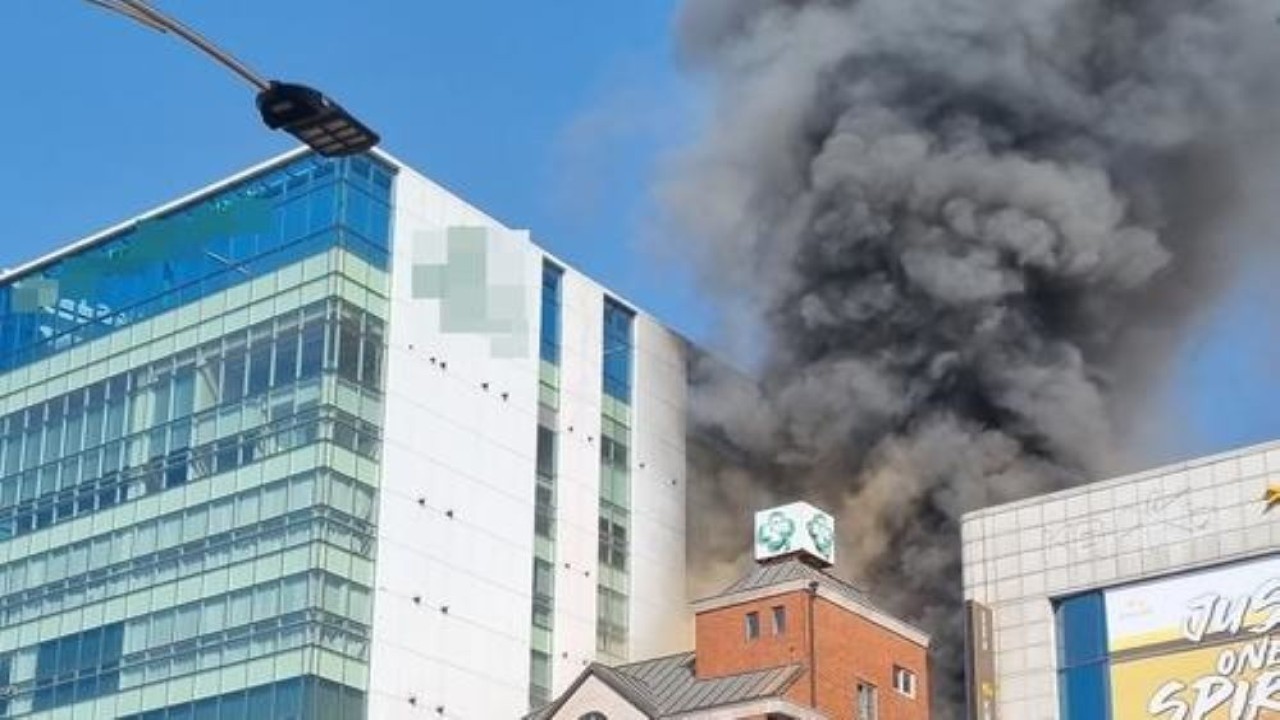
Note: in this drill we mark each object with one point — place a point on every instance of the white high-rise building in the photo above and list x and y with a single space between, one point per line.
323 440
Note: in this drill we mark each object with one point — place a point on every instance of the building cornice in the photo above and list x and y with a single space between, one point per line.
826 592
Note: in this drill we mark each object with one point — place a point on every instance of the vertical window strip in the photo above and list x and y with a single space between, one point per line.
545 462
613 588
1084 663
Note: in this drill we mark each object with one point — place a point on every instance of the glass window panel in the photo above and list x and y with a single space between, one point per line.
184 391
86 688
74 433
144 538
260 369
207 709
371 361
137 635
1085 693
90 648
240 608
233 376
260 701
170 531
161 628
349 348
213 615
220 515
301 492
1082 629
233 707
288 700
68 654
161 394
247 508
294 594
335 595
312 358
274 500
186 623
286 361
266 600
360 606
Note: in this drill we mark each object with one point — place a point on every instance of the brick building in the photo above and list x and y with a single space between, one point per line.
789 641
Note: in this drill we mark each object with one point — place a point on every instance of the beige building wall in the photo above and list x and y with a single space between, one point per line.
1019 557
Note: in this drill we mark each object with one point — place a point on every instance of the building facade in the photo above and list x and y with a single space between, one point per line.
1154 595
322 440
787 641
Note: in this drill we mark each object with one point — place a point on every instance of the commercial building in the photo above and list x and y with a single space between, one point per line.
323 441
788 641
1154 595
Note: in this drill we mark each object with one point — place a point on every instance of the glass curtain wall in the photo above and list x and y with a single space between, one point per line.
188 520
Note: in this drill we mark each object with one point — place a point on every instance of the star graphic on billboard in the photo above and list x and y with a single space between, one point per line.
1271 497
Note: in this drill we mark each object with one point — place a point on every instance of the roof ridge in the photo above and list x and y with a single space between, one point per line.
658 658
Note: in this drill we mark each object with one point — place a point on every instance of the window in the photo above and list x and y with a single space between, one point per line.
92 656
753 625
904 681
867 705
779 620
593 715
1083 664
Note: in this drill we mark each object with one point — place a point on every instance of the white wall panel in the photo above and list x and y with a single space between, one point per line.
463 448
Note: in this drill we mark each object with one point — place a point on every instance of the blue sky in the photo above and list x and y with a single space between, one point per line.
551 116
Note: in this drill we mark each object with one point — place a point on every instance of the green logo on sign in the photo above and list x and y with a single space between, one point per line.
775 532
822 533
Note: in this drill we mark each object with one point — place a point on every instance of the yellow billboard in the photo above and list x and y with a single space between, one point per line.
1200 646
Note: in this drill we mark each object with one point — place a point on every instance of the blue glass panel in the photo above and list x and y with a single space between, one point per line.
284 700
1082 630
5 672
552 277
78 667
1085 693
207 709
289 700
617 350
232 707
253 227
1083 687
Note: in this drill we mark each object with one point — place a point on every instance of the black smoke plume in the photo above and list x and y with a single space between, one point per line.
968 235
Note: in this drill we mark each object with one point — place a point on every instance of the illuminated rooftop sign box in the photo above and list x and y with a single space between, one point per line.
796 529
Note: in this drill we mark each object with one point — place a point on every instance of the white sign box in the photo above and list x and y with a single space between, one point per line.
795 528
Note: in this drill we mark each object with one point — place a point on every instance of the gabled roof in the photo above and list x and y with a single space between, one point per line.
667 686
676 689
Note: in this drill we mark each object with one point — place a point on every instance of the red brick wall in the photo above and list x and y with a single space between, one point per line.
720 637
848 647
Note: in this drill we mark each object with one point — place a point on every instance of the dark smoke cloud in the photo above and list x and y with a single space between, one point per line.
971 233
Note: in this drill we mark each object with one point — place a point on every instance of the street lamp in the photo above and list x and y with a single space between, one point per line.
299 110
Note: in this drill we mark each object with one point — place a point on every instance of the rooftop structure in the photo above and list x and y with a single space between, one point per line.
789 640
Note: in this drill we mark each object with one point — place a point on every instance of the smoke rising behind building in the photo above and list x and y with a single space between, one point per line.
970 234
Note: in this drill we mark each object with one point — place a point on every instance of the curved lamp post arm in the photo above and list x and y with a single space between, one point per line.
145 14
299 110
